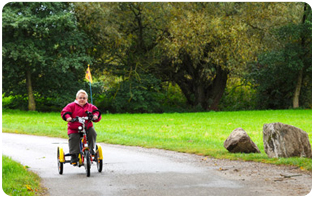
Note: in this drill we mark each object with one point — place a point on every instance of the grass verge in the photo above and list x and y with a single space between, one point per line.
198 133
18 181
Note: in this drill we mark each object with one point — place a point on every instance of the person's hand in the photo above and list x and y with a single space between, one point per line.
69 119
95 117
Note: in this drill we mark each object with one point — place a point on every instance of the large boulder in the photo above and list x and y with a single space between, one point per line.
240 142
282 140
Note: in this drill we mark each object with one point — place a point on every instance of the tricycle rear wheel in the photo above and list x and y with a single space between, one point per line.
60 158
99 156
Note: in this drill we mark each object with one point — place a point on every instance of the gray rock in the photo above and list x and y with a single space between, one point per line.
240 142
282 140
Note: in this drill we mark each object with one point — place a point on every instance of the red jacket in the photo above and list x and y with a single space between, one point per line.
74 109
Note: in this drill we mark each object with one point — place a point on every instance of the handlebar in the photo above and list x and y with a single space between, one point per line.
77 119
88 117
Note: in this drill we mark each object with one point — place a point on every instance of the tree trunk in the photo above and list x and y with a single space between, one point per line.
300 74
297 90
197 87
217 88
31 99
199 91
209 95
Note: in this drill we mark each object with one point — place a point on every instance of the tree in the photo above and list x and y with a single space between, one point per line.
195 45
305 52
208 42
43 51
279 73
205 43
125 35
134 38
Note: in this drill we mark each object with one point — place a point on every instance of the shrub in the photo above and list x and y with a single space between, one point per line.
134 95
238 96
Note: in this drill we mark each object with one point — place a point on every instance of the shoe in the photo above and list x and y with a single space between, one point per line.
74 159
92 152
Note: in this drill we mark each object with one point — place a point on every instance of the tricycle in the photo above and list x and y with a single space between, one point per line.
85 156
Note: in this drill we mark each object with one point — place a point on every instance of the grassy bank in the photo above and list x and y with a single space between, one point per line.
18 181
199 133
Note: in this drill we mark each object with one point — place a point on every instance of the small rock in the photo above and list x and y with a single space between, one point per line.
240 142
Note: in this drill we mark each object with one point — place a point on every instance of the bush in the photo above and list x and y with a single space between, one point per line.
146 94
238 96
14 102
134 95
172 99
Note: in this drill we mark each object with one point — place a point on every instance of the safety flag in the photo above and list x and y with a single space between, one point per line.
88 74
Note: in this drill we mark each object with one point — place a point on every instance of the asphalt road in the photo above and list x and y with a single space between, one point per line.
127 171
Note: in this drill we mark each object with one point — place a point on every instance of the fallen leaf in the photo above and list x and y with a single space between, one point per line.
28 188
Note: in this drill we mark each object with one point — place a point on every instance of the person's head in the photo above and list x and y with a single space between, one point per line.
82 97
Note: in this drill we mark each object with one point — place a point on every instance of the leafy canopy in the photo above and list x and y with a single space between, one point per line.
43 39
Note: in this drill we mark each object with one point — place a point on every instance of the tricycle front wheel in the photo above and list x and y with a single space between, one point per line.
87 162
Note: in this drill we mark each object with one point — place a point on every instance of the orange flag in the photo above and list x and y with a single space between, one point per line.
88 74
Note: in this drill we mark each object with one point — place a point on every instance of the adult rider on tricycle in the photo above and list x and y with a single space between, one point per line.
79 108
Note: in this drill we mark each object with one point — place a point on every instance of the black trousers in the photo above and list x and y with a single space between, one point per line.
74 141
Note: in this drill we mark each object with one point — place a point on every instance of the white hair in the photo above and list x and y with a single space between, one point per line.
81 91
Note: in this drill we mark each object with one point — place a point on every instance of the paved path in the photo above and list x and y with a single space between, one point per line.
127 171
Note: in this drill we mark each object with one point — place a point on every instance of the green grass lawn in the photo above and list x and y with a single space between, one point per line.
199 133
18 181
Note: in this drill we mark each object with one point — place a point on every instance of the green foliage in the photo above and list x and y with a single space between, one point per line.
18 181
238 96
306 94
274 83
137 95
14 102
52 103
172 99
42 39
142 95
126 33
275 73
195 45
